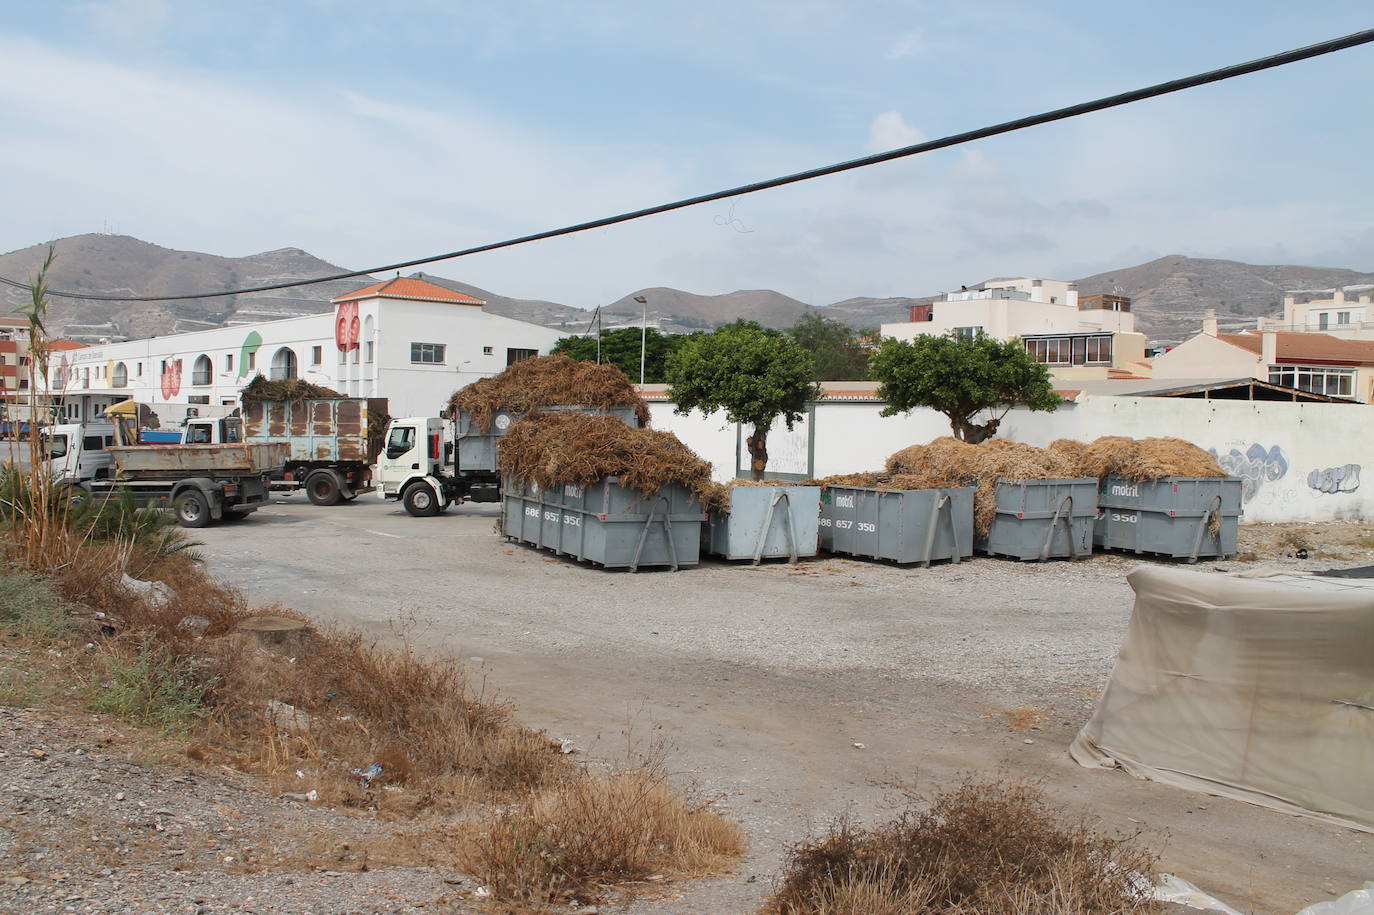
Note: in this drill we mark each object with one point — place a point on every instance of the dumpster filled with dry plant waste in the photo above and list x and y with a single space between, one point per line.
591 487
761 519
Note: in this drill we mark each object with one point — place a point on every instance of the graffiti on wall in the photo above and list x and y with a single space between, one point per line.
1255 466
1333 480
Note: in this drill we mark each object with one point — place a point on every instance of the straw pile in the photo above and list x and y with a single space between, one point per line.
1145 458
292 389
547 381
551 449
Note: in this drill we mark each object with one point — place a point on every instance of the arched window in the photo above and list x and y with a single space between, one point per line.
284 364
121 375
201 370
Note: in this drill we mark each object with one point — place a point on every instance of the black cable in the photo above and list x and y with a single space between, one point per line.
1112 101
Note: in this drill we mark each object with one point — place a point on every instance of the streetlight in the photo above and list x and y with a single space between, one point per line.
643 334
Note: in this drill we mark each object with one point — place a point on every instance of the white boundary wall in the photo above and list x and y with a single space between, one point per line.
1300 462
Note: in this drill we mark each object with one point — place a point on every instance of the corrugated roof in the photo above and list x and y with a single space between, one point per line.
1307 349
405 287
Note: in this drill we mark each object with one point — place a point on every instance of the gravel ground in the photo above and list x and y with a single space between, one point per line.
792 694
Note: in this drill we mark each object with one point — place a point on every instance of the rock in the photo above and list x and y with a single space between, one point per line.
155 592
287 717
194 624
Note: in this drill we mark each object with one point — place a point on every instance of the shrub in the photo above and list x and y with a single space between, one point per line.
985 848
153 686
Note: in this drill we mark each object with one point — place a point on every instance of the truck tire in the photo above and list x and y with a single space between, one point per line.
193 509
323 488
420 501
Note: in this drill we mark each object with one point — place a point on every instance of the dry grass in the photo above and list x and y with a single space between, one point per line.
981 849
292 389
1145 458
597 828
551 449
548 381
1026 717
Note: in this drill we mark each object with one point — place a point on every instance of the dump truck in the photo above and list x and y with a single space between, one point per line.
331 450
431 462
199 483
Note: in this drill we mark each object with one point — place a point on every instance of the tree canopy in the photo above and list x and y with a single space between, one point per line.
836 348
961 377
753 373
621 349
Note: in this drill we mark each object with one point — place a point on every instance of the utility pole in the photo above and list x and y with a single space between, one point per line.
643 334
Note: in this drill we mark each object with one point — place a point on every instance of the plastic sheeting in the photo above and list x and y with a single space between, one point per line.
1260 690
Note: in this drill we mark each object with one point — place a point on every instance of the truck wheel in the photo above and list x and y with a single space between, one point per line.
420 501
323 489
193 510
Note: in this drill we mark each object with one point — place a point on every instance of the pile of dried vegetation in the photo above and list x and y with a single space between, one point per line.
330 716
551 449
982 849
1139 459
715 497
547 381
293 389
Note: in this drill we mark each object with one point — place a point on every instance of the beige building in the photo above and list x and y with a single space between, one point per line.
1310 361
1345 311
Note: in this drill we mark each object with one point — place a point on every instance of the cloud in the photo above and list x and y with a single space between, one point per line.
911 44
139 21
890 130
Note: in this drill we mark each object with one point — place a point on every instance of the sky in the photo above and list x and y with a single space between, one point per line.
368 133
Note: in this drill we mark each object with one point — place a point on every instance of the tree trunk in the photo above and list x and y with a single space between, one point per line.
758 451
973 433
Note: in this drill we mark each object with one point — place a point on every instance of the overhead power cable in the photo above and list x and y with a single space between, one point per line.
1112 101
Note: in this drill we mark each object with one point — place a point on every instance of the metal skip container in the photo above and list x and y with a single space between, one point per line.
606 523
1181 517
917 525
1043 519
765 522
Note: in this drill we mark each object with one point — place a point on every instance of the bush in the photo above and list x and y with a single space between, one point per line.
30 607
153 686
986 848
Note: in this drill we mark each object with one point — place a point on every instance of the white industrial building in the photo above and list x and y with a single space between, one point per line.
406 339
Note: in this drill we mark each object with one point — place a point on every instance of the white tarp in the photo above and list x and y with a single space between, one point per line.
1256 689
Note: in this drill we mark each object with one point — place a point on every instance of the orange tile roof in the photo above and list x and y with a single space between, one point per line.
1307 349
65 344
405 287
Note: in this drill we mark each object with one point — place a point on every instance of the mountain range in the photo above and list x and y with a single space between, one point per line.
1170 295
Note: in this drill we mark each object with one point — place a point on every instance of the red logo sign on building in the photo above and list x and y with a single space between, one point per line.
347 328
171 380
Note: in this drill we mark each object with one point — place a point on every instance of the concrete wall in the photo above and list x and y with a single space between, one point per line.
1300 462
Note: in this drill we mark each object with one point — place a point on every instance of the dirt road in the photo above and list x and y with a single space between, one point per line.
796 694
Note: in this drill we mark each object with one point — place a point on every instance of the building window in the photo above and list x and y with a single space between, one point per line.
427 353
967 333
316 355
370 349
163 370
514 355
1342 317
1315 378
1323 320
201 370
229 362
1099 351
23 383
140 370
252 361
121 375
1071 350
284 364
198 398
486 351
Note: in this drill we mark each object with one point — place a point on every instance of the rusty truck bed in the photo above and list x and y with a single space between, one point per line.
198 460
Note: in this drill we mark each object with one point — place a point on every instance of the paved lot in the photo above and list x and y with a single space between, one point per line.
765 679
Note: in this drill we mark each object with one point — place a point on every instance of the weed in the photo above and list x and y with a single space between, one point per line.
154 687
597 828
985 848
30 607
19 688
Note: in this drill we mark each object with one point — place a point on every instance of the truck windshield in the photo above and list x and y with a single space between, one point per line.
233 430
57 446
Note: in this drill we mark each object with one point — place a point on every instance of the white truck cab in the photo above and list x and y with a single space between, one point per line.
76 451
411 466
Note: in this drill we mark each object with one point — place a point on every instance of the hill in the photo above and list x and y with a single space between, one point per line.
1170 294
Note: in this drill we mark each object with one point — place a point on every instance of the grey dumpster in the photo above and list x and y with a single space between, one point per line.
477 449
606 523
765 522
1181 517
916 525
1043 519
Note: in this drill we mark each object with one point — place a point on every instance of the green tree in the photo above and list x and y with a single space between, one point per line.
836 348
961 377
621 349
755 374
